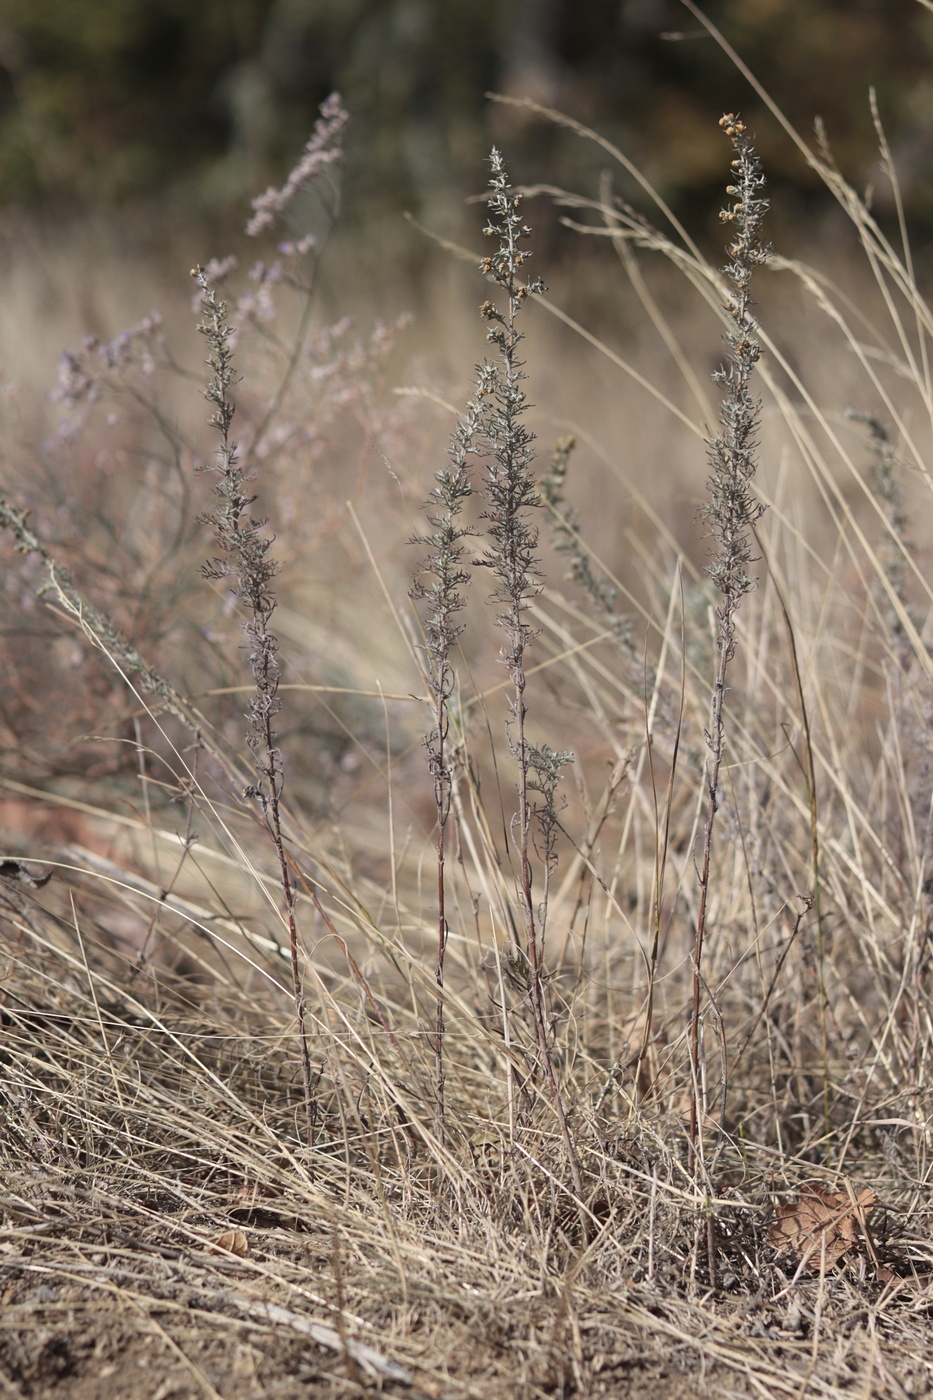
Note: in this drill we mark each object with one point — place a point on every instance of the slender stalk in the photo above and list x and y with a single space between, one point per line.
732 510
511 492
442 798
438 583
814 900
245 560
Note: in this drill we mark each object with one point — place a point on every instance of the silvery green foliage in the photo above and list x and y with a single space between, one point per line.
732 510
441 577
510 485
244 551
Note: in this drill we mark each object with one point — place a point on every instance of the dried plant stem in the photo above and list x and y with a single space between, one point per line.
662 845
438 583
442 932
814 900
511 492
245 560
97 626
731 512
715 744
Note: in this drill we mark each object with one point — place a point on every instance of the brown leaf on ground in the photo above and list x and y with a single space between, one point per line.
232 1242
819 1220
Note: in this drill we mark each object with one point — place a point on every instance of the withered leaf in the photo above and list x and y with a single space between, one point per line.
230 1242
819 1220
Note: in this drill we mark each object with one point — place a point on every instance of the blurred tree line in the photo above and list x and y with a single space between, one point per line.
106 100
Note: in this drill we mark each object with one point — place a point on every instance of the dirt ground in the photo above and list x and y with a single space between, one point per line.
106 1297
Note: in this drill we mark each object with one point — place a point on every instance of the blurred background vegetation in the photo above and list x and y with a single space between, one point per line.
192 107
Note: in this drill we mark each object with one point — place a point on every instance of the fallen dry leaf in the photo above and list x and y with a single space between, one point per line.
232 1242
819 1220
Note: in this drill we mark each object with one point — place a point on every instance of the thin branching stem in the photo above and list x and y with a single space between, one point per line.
732 510
512 494
438 584
245 560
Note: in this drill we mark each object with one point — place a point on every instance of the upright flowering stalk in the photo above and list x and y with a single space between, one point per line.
246 561
732 509
512 494
511 491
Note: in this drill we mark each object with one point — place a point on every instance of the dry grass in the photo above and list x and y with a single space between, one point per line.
166 1230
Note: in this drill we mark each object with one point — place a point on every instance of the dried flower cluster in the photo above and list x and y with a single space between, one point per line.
323 151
